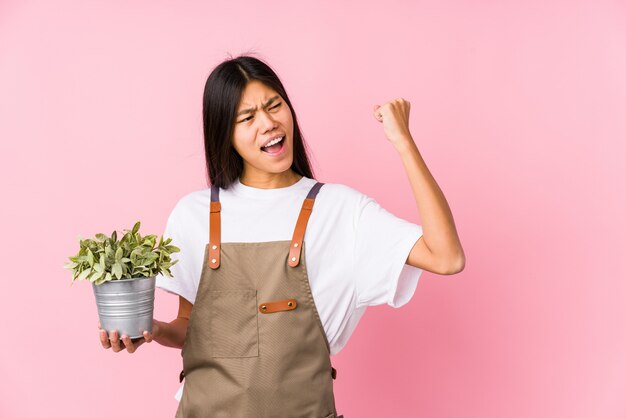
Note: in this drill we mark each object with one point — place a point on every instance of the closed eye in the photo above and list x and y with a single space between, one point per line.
250 117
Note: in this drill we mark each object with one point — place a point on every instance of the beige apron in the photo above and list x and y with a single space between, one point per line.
255 345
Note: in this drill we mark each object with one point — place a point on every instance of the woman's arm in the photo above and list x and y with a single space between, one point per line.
439 250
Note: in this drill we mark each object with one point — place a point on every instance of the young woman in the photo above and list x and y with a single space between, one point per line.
276 268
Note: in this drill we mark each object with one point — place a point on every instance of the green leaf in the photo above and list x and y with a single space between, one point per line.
117 270
84 274
95 277
152 256
136 227
90 258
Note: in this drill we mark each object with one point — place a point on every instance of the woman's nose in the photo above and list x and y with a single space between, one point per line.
267 121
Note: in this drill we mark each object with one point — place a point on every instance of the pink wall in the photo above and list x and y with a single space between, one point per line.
517 107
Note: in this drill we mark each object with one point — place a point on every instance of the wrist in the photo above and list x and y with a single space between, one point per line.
404 145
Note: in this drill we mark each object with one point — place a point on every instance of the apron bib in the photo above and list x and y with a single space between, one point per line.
255 345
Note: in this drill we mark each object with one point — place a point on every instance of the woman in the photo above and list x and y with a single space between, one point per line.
276 268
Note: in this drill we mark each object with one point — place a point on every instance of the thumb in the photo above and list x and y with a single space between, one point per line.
377 115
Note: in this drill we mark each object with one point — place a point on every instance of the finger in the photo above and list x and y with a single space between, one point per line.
130 347
139 342
147 336
99 326
104 339
115 342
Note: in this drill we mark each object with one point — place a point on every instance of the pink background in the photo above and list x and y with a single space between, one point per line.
517 107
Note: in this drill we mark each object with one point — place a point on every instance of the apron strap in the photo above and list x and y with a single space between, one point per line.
298 234
214 228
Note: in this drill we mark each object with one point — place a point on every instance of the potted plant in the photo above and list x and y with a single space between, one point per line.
123 275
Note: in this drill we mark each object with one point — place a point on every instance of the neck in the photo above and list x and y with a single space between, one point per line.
264 180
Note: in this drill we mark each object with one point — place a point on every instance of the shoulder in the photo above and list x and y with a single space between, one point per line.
340 190
343 194
343 202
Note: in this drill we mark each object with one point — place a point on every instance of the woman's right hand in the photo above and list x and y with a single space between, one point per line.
119 344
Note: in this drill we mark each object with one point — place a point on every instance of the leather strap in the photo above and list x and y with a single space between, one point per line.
214 228
278 306
295 249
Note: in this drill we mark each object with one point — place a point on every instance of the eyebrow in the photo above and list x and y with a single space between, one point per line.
252 109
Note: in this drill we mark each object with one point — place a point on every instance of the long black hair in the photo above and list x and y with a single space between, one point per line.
222 93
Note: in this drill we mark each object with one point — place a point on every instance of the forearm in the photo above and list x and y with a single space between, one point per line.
439 231
172 334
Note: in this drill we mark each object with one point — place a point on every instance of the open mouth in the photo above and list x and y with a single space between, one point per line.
275 148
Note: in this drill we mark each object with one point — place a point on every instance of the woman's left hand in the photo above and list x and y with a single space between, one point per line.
394 116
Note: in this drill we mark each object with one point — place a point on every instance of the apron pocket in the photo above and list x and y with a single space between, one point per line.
234 330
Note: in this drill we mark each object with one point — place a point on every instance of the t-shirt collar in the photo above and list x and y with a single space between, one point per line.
241 189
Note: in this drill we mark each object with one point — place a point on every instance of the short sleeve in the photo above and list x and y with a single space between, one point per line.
383 242
181 283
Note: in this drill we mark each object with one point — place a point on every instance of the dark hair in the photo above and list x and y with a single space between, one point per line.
222 93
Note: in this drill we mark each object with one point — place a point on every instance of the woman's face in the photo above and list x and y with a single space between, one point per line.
262 116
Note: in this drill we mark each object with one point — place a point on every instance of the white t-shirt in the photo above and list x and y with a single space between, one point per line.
355 250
